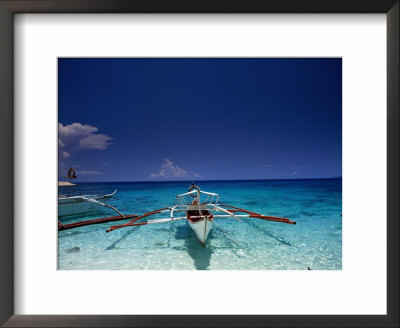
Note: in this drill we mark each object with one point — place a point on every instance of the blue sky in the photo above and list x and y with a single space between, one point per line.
154 119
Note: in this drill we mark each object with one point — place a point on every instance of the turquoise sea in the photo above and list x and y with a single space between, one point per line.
315 242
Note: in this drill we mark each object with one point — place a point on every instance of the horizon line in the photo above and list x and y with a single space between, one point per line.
209 180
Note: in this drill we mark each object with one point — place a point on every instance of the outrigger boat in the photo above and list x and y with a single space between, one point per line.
199 209
74 205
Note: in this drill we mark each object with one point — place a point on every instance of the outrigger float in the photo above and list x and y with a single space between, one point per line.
199 208
82 204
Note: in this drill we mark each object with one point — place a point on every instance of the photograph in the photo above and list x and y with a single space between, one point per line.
223 163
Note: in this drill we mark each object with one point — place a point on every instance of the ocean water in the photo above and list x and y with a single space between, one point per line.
315 242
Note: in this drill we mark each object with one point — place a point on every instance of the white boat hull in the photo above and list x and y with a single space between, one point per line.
74 206
201 229
80 204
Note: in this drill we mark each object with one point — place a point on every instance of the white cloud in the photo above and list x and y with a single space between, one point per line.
82 136
95 141
75 129
76 136
170 170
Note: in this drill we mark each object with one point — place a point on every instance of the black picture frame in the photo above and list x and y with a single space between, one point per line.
10 7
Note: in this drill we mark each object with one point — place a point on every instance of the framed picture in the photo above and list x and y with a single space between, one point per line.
196 147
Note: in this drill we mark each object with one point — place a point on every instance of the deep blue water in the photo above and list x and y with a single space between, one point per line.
315 241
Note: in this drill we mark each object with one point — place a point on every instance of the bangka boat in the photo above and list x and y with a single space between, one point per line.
199 208
74 205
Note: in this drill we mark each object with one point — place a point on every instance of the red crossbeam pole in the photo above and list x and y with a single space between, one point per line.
259 216
138 224
95 221
272 218
131 223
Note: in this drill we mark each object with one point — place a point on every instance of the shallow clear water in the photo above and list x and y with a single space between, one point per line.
315 241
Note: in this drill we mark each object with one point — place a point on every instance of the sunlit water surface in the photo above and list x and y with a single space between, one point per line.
315 242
